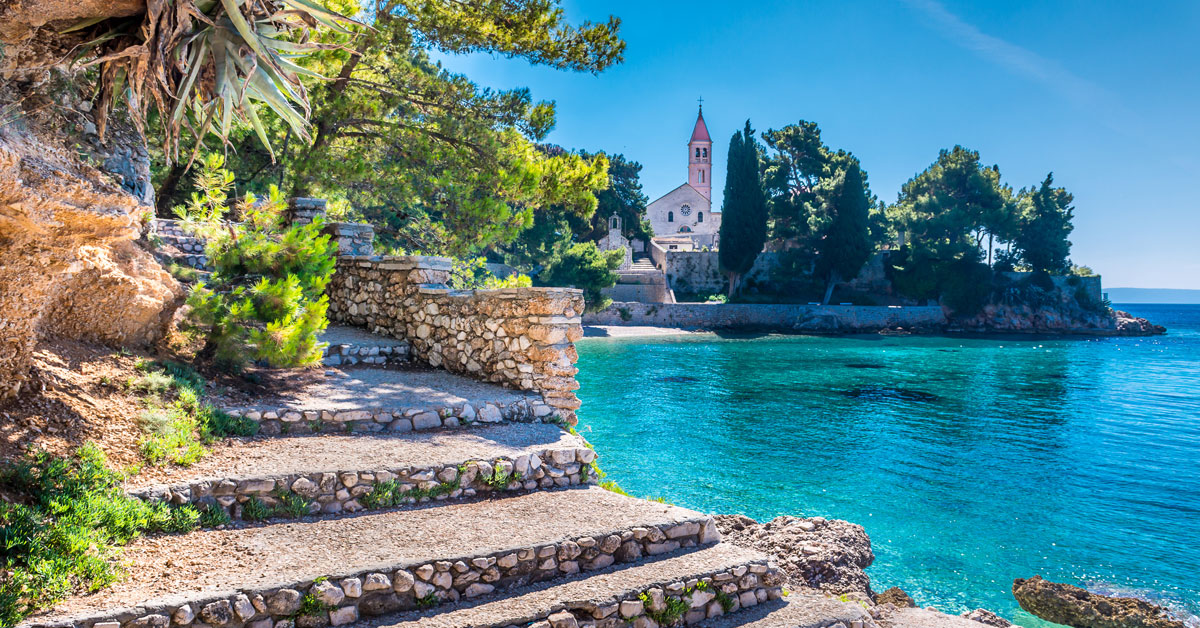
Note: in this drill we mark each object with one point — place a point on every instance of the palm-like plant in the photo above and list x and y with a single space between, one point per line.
204 62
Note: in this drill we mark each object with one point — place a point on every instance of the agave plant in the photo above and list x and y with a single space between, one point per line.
205 62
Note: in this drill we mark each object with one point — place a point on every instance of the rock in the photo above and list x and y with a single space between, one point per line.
217 613
828 555
1073 606
284 602
343 616
985 616
895 596
327 593
183 615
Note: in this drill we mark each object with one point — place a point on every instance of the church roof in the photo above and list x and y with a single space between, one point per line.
700 132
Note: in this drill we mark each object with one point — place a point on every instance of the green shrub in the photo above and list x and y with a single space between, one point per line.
64 526
966 286
265 299
255 510
291 505
585 267
472 274
213 516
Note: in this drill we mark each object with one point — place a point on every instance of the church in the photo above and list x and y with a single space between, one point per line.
683 219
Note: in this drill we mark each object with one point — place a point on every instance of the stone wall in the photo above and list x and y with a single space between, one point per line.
700 271
518 337
797 318
329 493
345 598
170 238
352 238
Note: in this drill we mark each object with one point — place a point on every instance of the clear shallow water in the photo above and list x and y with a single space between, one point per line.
970 462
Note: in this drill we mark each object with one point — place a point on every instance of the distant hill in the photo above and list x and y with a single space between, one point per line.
1152 295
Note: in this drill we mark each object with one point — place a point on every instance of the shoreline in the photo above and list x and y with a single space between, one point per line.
618 332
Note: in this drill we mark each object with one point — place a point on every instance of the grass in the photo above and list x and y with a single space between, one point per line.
255 510
291 505
64 527
428 601
388 494
214 517
500 479
177 423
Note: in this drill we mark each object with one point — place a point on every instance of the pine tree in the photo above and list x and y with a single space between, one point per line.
846 245
744 211
1045 224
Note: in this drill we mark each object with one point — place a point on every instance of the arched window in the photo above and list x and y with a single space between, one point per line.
699 216
670 216
705 153
702 176
697 153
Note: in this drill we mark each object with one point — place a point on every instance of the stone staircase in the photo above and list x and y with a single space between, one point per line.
481 514
642 263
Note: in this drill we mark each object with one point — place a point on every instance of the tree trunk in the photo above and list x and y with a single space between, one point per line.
734 280
166 192
833 279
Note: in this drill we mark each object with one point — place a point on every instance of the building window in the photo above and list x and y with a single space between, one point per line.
705 153
670 216
702 176
697 153
699 216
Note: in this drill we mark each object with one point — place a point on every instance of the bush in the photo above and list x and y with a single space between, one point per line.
966 286
472 274
265 299
62 531
588 268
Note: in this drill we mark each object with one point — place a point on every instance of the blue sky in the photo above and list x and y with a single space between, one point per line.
1104 94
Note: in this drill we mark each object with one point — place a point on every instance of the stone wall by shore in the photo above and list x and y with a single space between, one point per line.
782 317
518 337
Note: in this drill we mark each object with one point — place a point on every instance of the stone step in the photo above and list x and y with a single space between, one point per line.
797 610
350 345
376 563
261 478
733 577
378 399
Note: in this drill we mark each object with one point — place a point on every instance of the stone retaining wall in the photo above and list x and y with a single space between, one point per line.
794 318
344 598
712 596
350 354
349 491
518 337
190 247
273 421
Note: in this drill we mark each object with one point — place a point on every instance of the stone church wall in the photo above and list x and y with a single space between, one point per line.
518 337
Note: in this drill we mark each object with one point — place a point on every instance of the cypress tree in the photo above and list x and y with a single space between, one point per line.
744 210
847 244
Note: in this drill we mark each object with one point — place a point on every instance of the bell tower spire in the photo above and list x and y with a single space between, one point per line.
700 156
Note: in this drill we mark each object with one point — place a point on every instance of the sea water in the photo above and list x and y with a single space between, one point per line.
969 461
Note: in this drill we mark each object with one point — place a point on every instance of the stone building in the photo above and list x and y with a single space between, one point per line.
684 215
614 240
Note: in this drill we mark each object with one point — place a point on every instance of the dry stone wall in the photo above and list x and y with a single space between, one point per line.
352 491
345 598
274 421
518 337
709 597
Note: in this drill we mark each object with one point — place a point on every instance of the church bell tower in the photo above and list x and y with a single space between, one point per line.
700 157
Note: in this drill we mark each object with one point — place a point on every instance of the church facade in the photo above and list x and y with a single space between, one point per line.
682 219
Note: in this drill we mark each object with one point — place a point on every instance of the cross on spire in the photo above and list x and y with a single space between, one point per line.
701 101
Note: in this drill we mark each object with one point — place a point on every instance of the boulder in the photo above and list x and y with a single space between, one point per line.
1072 606
816 553
897 597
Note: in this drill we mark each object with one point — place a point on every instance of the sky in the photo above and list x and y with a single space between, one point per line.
1104 94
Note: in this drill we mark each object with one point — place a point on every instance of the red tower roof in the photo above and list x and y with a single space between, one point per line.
700 132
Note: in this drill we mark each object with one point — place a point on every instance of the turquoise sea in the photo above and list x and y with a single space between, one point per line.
969 461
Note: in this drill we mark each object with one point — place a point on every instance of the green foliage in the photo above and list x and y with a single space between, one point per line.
672 611
500 479
291 505
1045 224
611 485
744 210
266 298
213 516
1082 271
388 494
429 600
585 267
310 606
966 285
254 509
845 244
63 527
472 274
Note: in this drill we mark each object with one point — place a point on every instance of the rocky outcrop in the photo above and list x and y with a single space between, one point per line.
896 597
1073 606
68 262
984 616
1130 325
816 553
